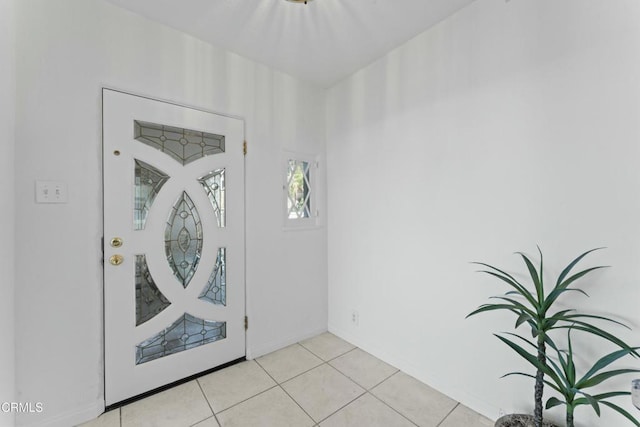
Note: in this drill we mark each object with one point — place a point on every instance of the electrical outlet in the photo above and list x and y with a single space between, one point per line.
355 317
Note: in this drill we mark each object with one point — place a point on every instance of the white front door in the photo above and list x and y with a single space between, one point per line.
174 301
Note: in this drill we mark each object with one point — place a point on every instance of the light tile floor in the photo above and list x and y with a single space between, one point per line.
321 382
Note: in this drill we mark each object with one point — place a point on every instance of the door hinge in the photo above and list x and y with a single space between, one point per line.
244 148
246 323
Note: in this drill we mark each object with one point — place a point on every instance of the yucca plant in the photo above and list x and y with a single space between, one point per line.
535 307
562 377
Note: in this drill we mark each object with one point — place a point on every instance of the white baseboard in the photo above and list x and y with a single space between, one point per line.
70 418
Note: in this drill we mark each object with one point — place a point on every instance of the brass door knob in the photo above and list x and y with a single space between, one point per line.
116 242
116 259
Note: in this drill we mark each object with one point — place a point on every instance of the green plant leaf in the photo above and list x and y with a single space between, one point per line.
573 316
518 349
523 374
621 412
524 317
535 277
583 326
553 402
491 307
602 363
603 396
553 295
549 322
592 401
528 357
517 304
572 264
576 276
531 344
561 287
562 313
511 282
597 379
541 269
560 377
571 367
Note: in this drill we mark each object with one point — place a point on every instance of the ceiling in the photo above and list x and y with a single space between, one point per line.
321 42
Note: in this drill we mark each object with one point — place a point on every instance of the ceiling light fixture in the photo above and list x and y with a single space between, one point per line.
300 1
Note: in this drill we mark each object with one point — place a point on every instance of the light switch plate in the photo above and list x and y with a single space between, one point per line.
51 192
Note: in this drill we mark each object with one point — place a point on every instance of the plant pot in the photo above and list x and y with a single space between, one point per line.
519 420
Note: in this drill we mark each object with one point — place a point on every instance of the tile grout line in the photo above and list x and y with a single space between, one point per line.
296 376
324 362
343 406
208 403
366 391
285 391
248 398
385 379
449 413
349 402
329 360
343 354
391 407
297 404
267 372
120 415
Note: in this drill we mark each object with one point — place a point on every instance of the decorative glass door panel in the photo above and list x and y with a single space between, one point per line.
174 236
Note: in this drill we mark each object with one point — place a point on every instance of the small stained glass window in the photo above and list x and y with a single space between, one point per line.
298 189
148 182
184 334
213 184
149 299
216 289
183 145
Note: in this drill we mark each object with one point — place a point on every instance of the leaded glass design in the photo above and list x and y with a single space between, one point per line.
149 300
216 290
298 190
183 145
185 333
213 184
183 239
148 182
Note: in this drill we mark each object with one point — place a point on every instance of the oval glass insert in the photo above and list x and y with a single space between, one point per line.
183 239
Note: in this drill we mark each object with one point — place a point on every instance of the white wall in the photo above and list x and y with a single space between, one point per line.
7 218
507 125
68 50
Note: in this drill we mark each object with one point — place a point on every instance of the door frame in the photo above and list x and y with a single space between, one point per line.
102 88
